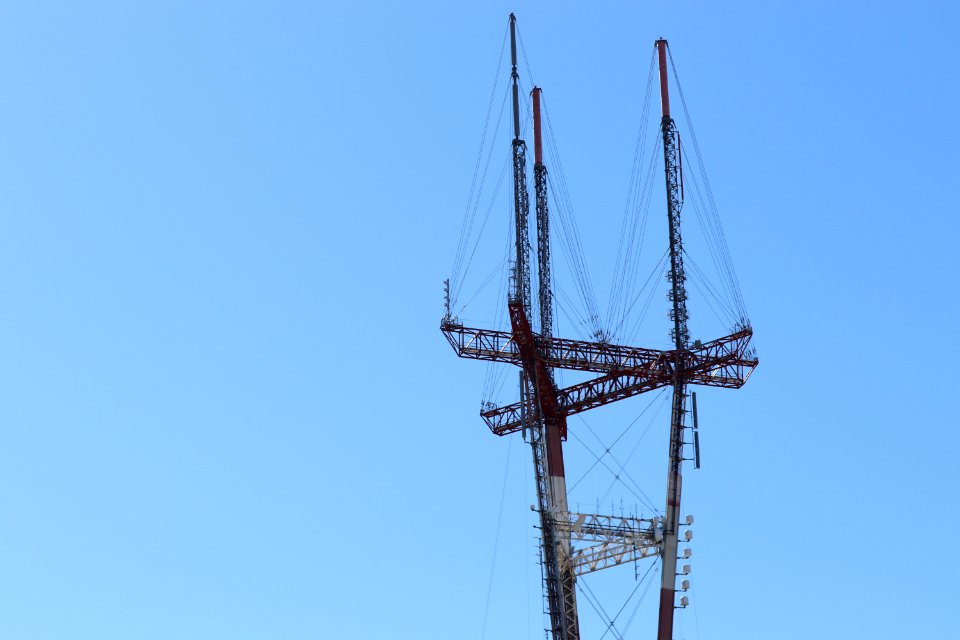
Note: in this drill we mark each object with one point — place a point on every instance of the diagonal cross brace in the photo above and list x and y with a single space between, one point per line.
610 554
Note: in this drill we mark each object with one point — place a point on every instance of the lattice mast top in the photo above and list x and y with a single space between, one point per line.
545 292
521 204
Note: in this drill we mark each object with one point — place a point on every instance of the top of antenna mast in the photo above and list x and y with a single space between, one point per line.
664 93
515 77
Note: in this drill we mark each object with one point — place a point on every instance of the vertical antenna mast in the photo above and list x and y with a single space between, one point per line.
521 283
543 223
554 429
680 335
544 433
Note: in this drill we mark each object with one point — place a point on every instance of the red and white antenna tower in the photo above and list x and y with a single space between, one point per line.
574 544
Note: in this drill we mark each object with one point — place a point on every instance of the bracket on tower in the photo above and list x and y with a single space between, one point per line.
696 434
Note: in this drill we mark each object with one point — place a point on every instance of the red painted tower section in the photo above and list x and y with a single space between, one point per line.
664 93
680 335
537 128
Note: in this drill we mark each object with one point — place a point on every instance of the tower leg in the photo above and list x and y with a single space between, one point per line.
558 494
671 520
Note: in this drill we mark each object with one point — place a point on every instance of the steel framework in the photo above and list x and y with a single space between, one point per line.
624 371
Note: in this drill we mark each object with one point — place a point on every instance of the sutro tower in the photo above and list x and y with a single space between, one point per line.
574 544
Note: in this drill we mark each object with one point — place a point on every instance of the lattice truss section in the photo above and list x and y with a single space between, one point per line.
628 371
616 540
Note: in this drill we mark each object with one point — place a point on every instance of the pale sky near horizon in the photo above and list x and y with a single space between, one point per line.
227 411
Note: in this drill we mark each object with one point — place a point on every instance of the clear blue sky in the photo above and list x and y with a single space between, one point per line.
227 411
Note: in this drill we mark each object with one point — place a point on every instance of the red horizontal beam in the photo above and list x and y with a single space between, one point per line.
628 371
580 355
618 386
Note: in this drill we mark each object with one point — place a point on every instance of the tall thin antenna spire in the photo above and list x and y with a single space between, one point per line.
542 424
521 202
556 430
515 77
543 222
680 335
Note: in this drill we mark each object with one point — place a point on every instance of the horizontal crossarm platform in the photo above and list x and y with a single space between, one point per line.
618 540
562 353
481 344
580 355
577 398
592 527
609 554
724 362
721 363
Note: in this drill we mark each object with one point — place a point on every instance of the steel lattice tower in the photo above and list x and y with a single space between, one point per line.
602 541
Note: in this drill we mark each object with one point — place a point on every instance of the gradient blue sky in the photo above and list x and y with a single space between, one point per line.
226 408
